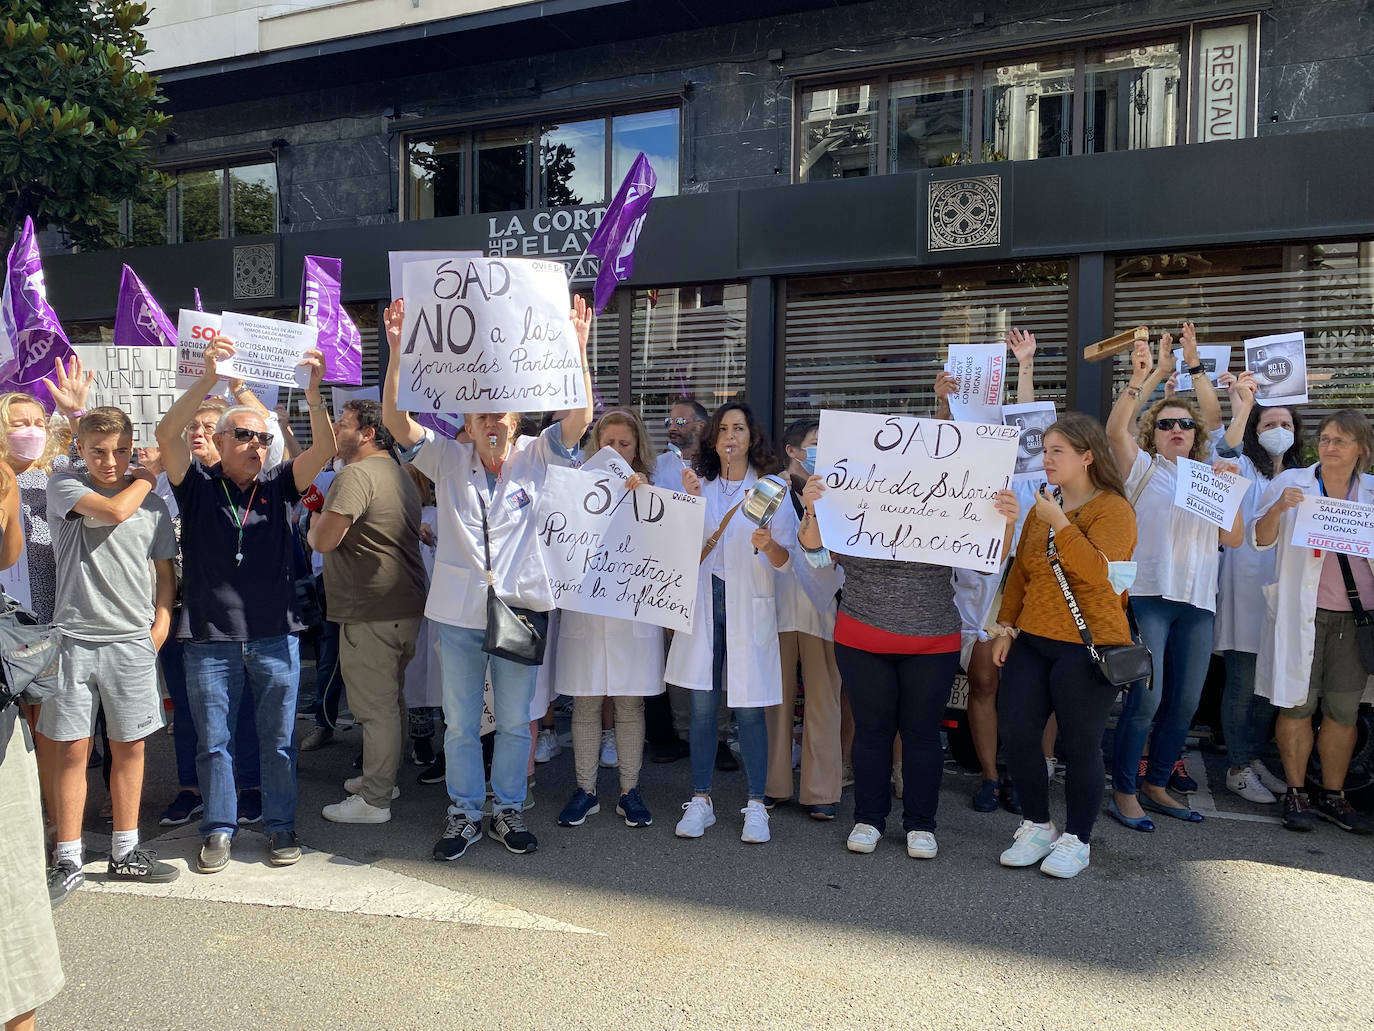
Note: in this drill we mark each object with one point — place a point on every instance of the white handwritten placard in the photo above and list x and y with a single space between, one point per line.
1279 363
488 335
981 370
609 460
267 350
1215 359
140 381
195 329
626 554
15 580
1213 496
1334 524
1031 420
914 490
396 261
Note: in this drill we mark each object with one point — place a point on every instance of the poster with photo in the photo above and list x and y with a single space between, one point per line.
1279 363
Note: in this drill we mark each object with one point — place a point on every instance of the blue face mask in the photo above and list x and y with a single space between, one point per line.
810 464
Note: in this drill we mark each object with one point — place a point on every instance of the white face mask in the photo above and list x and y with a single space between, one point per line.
1120 575
1276 440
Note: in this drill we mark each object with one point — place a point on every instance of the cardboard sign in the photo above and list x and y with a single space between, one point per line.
1214 496
1031 421
981 370
140 381
1334 524
267 350
396 261
195 330
625 554
1279 363
914 490
488 335
1215 359
609 460
15 581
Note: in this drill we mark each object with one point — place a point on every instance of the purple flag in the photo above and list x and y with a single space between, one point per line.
139 321
30 335
199 305
443 425
339 339
615 238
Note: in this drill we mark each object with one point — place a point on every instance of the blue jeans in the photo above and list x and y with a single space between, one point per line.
512 690
243 743
221 676
753 723
1245 716
1179 637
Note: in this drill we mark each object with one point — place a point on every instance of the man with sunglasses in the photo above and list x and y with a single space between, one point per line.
683 424
239 607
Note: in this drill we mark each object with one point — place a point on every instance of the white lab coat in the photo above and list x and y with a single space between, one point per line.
753 664
600 656
806 595
1242 576
1285 657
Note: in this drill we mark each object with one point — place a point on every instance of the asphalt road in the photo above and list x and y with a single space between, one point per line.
1233 923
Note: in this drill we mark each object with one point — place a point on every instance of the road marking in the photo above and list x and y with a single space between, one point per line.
320 881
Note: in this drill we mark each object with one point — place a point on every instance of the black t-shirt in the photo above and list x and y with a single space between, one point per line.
226 599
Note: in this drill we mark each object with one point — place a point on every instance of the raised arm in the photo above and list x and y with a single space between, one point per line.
176 453
1023 348
1121 422
404 429
575 423
1241 390
69 388
1207 402
291 447
311 462
946 383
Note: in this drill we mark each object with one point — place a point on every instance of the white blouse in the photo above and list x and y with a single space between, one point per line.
1176 553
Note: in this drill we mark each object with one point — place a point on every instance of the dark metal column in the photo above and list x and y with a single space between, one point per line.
761 343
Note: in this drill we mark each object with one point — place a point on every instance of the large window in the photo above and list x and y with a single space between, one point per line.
549 163
211 203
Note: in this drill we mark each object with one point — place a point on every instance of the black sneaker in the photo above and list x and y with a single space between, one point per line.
184 808
1297 811
250 806
1011 798
282 848
214 852
422 751
63 879
1335 808
140 865
508 827
670 753
435 772
459 833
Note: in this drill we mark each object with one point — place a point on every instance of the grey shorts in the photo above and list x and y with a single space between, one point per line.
1338 679
120 676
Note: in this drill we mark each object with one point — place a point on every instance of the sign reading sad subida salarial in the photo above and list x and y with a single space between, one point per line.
488 335
914 490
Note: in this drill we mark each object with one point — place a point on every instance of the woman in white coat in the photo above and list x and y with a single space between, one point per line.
733 646
602 657
1310 655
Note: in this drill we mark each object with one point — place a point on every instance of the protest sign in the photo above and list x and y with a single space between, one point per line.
1032 420
914 490
1215 359
1213 496
15 581
980 369
140 381
267 350
1279 363
609 460
624 554
343 395
1334 524
195 330
488 335
396 261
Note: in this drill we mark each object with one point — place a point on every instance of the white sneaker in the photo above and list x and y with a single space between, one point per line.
546 746
921 845
355 809
1049 767
755 823
1247 785
609 757
354 786
1277 785
863 838
698 814
1068 858
1034 841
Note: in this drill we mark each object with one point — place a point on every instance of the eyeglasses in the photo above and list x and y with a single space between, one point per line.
679 421
244 435
1336 442
1169 424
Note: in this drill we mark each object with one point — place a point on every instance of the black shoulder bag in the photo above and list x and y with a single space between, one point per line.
1121 664
28 655
515 634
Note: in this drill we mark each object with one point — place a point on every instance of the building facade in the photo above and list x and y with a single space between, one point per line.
845 188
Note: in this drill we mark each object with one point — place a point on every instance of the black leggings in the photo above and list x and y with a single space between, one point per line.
891 695
1043 676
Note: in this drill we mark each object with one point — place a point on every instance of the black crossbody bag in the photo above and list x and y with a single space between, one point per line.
1121 664
515 634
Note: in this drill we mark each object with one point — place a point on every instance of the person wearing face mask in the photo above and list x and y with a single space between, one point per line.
733 646
487 491
1271 444
600 657
1174 594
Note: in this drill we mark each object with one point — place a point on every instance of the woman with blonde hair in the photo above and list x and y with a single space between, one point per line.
601 657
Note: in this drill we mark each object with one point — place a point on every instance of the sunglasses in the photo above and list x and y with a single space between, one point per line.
1169 424
675 422
243 435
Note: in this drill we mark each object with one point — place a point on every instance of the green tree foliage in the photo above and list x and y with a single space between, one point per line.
77 114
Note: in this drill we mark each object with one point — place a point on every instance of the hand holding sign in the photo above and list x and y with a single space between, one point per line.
1279 364
267 350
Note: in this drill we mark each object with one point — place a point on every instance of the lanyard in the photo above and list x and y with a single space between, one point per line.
239 519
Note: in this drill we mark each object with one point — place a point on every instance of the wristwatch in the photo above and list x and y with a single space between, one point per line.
1197 370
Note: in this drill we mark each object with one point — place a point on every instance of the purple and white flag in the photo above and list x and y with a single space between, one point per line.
139 320
444 425
31 337
615 238
199 305
339 339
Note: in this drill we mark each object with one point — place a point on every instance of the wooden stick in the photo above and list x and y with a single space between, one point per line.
1115 344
